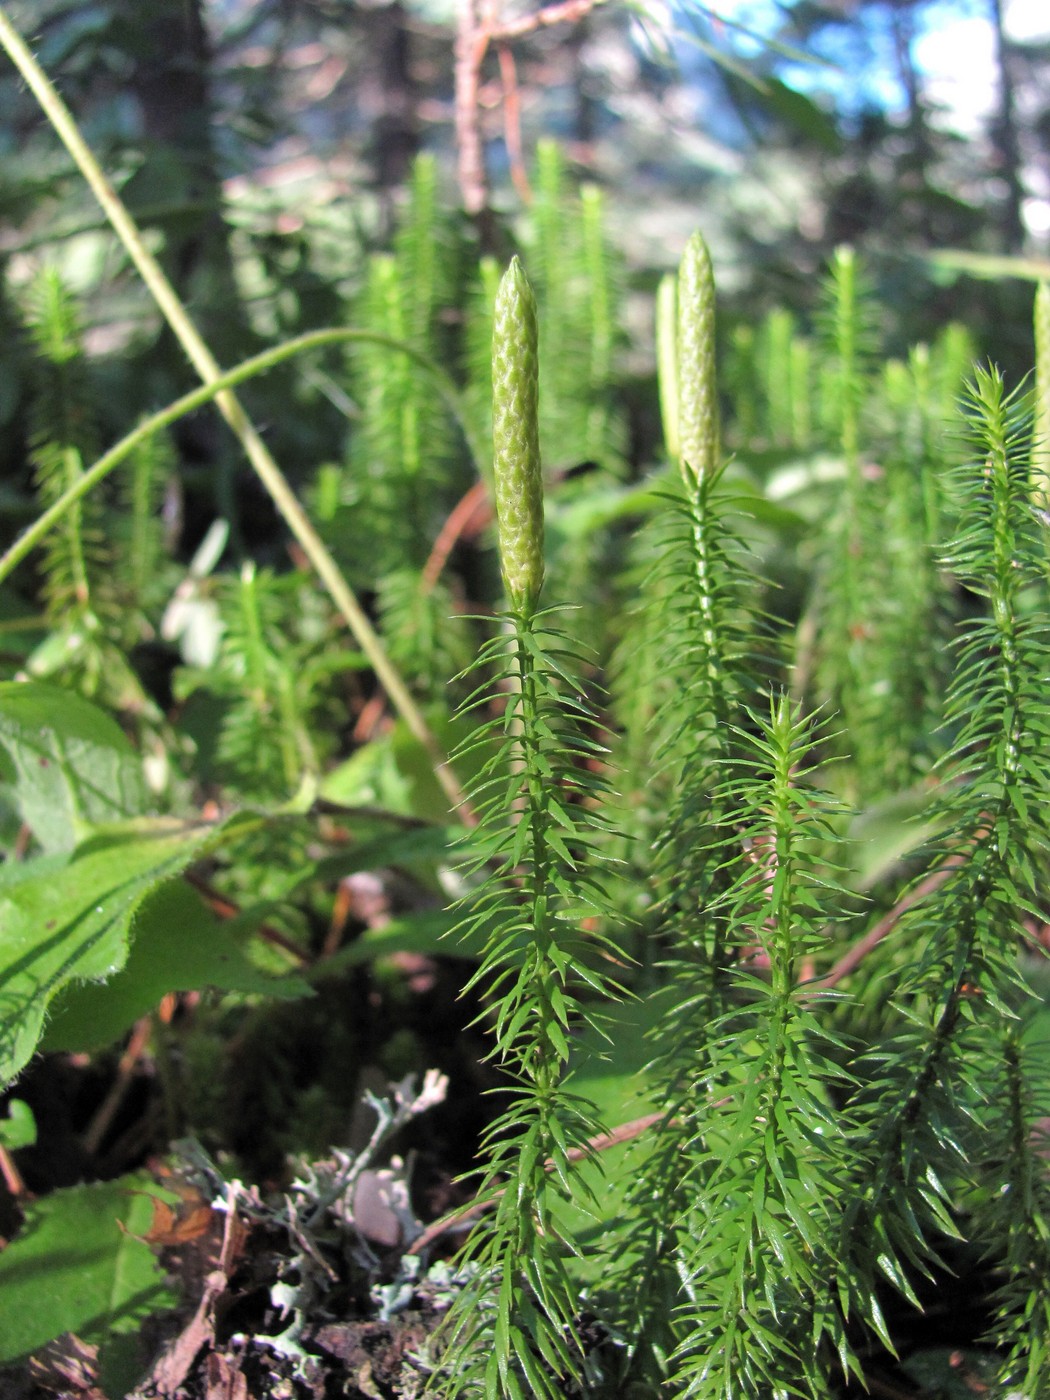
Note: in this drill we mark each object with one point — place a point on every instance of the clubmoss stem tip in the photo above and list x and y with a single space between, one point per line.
698 427
517 470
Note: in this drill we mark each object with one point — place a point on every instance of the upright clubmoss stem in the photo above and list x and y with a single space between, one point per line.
546 1063
845 325
514 1332
515 439
518 483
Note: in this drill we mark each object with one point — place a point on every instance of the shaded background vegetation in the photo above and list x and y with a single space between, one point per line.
266 146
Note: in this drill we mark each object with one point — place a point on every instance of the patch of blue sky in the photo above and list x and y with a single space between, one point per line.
857 67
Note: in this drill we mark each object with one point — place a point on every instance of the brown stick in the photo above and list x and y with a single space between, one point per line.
512 121
227 909
471 44
474 34
11 1175
368 721
856 955
471 507
98 1127
564 13
624 1133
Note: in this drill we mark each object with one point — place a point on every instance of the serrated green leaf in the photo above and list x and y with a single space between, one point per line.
71 919
179 946
76 1266
75 768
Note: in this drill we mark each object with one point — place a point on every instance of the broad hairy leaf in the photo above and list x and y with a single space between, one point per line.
74 766
77 1266
66 918
178 946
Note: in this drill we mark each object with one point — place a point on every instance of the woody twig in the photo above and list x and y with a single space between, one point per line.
477 29
626 1132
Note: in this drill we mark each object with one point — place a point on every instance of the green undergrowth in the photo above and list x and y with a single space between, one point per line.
748 868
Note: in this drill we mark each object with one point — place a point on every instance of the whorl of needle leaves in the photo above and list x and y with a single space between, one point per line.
698 431
515 438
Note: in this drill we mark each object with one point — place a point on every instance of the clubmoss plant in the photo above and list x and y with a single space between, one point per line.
910 638
698 415
577 290
767 1155
265 744
514 1332
926 1089
689 630
142 567
63 437
787 1181
428 636
604 439
770 376
1014 1210
517 474
845 591
400 469
90 629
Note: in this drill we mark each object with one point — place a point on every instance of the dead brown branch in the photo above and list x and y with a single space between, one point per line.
568 12
107 1110
626 1132
12 1177
477 29
856 955
468 514
508 73
226 909
471 43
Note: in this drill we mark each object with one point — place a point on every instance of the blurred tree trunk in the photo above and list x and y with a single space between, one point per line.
1006 139
389 94
902 20
916 165
170 79
586 109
